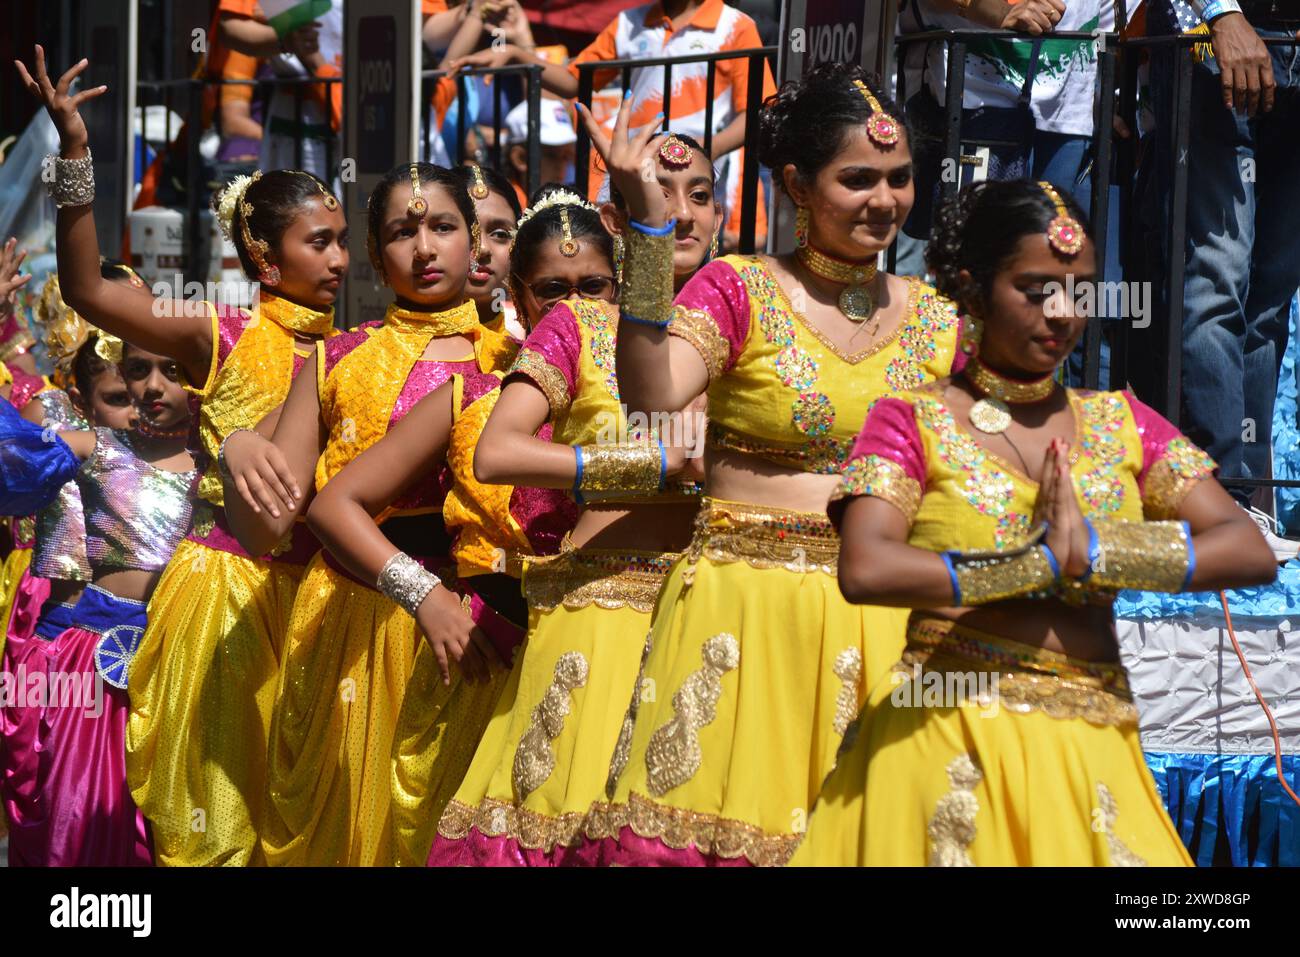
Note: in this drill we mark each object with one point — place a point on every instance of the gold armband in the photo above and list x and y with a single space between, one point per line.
1146 556
606 470
646 297
983 577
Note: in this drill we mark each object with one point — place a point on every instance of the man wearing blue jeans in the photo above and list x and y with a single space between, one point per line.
1242 247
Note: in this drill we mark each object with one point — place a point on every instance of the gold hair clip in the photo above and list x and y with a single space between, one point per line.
1064 231
675 153
257 248
568 245
418 206
480 188
881 127
327 198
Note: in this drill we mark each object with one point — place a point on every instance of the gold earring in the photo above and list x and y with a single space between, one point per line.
801 227
972 332
713 247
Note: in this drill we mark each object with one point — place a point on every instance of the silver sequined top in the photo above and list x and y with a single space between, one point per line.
136 514
60 549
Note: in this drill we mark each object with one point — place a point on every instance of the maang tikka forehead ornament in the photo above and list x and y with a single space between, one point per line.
675 153
1064 231
479 190
568 245
417 206
881 127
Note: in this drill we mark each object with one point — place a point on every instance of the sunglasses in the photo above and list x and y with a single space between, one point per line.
592 287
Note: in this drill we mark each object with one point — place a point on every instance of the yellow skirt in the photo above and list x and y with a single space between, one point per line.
980 750
350 660
756 666
15 565
545 757
201 688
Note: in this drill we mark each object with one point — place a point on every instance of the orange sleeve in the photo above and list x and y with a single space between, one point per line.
328 96
238 66
737 70
604 47
238 8
444 94
430 7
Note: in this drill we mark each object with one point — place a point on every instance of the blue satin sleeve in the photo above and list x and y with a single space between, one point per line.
34 463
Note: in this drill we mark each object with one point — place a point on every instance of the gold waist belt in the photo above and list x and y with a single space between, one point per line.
1027 678
764 537
823 455
608 578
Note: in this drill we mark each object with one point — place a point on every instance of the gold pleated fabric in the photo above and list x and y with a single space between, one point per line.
348 664
15 564
201 686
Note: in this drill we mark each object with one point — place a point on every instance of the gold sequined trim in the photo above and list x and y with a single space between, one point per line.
545 376
1120 855
1177 472
1146 556
952 828
623 747
824 455
698 328
578 577
527 828
681 829
534 758
673 755
848 668
763 537
646 291
882 478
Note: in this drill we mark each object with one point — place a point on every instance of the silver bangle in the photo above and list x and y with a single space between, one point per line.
74 180
406 581
221 451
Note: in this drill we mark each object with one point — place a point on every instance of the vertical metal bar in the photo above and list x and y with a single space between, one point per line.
627 78
462 118
582 160
710 82
496 122
668 93
534 129
195 271
749 171
1119 346
430 118
298 132
167 117
1178 234
1100 212
955 91
900 97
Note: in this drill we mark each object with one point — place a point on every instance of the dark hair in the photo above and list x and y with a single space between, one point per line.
87 366
805 121
547 225
451 180
497 184
276 198
110 268
616 197
979 230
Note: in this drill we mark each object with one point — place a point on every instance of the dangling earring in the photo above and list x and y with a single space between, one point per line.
270 276
618 259
713 247
972 332
801 227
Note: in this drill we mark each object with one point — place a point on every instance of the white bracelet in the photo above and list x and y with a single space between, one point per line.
406 581
221 450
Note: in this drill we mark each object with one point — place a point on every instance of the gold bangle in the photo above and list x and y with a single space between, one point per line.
982 578
1145 556
646 295
620 468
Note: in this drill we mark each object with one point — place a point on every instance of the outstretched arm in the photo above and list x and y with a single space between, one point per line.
127 312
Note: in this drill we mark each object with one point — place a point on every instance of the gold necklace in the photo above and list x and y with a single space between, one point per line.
856 300
990 414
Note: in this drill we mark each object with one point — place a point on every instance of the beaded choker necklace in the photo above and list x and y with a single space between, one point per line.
990 414
151 431
856 300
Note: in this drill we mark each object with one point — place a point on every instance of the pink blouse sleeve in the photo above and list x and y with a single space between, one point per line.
712 314
1171 464
887 461
549 357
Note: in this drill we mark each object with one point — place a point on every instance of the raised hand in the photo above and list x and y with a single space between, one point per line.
10 280
631 163
63 106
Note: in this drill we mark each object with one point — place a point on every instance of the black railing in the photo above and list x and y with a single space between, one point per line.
758 58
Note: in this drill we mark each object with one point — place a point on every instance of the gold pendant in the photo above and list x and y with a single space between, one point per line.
990 416
856 303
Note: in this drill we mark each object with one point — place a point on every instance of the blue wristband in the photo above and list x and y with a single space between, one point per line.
952 577
577 478
1094 550
664 230
1217 8
663 465
652 323
1051 561
1191 558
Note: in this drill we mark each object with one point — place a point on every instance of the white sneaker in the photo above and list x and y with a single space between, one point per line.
1284 549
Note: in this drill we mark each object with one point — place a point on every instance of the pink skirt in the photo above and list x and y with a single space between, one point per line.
63 768
28 599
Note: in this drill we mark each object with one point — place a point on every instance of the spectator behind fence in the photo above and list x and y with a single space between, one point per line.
557 137
1241 249
669 28
1031 100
